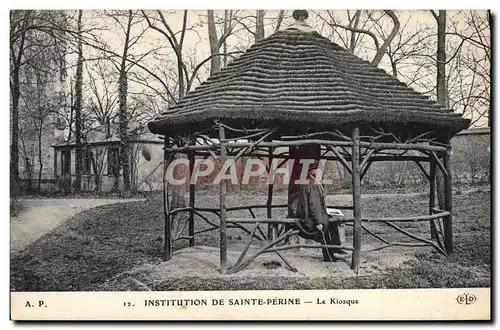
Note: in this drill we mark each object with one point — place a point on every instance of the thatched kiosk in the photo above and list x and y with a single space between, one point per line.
295 89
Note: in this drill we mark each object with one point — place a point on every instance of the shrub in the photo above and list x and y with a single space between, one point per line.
16 206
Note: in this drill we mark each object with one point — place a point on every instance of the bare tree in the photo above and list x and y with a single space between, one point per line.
122 102
78 107
469 83
408 47
441 86
159 23
441 57
259 25
184 74
38 103
103 100
228 24
255 24
356 28
124 62
214 44
31 34
387 41
19 24
176 40
279 20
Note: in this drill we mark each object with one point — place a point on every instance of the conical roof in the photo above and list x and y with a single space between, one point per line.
296 77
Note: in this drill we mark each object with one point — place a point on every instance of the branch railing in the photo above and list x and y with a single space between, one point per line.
356 153
376 145
273 247
238 223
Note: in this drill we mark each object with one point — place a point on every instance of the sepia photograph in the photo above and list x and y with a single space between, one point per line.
211 162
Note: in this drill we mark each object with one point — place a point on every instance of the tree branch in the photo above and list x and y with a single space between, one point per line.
434 14
353 29
381 52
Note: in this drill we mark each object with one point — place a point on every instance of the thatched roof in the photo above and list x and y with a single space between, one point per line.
299 78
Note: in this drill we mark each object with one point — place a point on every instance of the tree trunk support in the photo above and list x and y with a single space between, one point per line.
272 230
222 192
192 196
448 220
422 170
356 197
432 195
167 229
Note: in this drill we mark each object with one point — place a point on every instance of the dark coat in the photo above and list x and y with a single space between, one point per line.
309 205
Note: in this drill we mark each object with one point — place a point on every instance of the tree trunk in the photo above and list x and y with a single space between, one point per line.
180 61
279 20
14 148
29 174
122 100
78 109
214 47
352 44
16 58
124 143
71 113
227 15
383 49
178 199
40 162
259 25
441 59
441 90
394 67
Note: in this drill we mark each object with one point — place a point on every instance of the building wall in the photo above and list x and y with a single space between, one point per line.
471 155
147 175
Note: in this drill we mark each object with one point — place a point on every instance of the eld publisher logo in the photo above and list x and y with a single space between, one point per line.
466 299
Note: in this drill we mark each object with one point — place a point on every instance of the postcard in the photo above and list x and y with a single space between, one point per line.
250 164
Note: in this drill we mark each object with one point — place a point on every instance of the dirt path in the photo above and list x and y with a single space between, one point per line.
43 215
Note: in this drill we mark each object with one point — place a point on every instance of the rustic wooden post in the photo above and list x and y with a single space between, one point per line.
192 196
432 194
271 229
448 220
222 192
294 175
356 198
167 229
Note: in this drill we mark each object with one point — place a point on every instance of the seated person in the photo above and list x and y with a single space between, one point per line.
308 204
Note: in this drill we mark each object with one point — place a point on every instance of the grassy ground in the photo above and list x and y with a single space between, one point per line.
95 247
